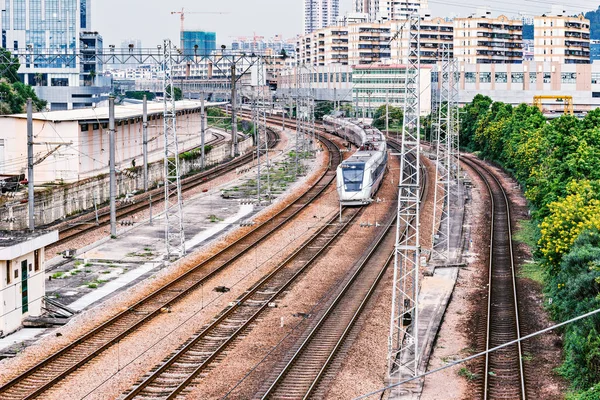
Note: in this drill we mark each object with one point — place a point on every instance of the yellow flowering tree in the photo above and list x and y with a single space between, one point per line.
568 217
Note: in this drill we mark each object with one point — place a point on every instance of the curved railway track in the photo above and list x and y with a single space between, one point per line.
503 370
41 377
89 223
305 371
196 357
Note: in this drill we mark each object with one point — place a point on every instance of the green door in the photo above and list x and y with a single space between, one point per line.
24 299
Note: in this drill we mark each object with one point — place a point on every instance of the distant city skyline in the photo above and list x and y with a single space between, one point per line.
150 20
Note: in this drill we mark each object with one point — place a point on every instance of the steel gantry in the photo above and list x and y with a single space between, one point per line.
174 232
403 355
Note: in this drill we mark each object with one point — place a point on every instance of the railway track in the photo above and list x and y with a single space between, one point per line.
305 373
503 370
41 377
90 223
199 354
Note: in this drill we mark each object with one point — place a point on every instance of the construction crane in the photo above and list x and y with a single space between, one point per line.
568 100
182 14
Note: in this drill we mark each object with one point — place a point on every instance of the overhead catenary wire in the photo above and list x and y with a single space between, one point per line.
462 361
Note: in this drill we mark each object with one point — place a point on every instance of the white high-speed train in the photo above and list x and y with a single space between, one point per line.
359 176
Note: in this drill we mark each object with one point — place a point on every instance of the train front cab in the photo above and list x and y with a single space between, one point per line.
351 184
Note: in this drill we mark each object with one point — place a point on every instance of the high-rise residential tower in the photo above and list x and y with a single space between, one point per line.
41 29
320 14
389 10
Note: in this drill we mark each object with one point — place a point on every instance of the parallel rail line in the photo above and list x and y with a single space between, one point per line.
41 377
90 223
503 370
304 372
198 355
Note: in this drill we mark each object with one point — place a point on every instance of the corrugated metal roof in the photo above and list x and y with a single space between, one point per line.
101 113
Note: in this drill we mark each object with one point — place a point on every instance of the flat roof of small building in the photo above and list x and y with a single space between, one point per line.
14 244
101 113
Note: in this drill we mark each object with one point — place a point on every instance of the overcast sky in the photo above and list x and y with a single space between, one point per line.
151 20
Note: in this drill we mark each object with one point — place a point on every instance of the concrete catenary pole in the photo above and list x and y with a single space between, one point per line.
202 132
30 193
113 186
145 141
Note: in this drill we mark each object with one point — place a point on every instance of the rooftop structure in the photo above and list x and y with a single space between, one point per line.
86 153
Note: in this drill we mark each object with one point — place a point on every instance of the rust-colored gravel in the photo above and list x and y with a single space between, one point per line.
82 323
306 297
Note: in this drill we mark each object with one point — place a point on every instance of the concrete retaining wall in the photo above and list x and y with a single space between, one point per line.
58 202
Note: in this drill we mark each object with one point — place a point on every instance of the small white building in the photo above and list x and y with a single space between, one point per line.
22 276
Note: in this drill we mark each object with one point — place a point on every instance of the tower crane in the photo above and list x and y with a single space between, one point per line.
182 14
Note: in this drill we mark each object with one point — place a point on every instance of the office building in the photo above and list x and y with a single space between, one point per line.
482 39
39 30
198 42
561 38
320 14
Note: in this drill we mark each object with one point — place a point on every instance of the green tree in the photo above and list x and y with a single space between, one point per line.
9 66
139 95
323 108
395 116
469 119
176 92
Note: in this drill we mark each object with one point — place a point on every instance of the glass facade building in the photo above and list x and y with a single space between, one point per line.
206 42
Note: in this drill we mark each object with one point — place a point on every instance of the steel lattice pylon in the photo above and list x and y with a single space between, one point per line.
174 233
403 355
441 236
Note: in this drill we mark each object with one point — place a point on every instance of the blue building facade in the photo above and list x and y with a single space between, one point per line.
206 42
56 49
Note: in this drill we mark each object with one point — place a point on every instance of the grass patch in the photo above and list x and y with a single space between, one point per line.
213 218
533 271
526 357
57 275
528 233
105 272
466 373
92 285
78 263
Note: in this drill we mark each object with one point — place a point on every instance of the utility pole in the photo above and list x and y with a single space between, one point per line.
403 348
145 141
234 142
30 191
174 232
202 131
113 183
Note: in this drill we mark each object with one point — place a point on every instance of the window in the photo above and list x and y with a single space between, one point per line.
485 77
16 273
36 260
501 77
8 273
516 77
595 77
470 77
547 77
532 77
568 77
84 127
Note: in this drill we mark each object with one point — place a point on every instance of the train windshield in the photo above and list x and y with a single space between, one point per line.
353 176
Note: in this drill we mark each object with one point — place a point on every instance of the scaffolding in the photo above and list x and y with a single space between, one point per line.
403 349
174 232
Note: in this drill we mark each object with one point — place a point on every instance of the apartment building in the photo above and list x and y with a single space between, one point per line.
369 43
485 40
366 43
388 10
320 14
436 34
561 38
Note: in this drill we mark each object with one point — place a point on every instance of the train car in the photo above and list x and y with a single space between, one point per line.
359 176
